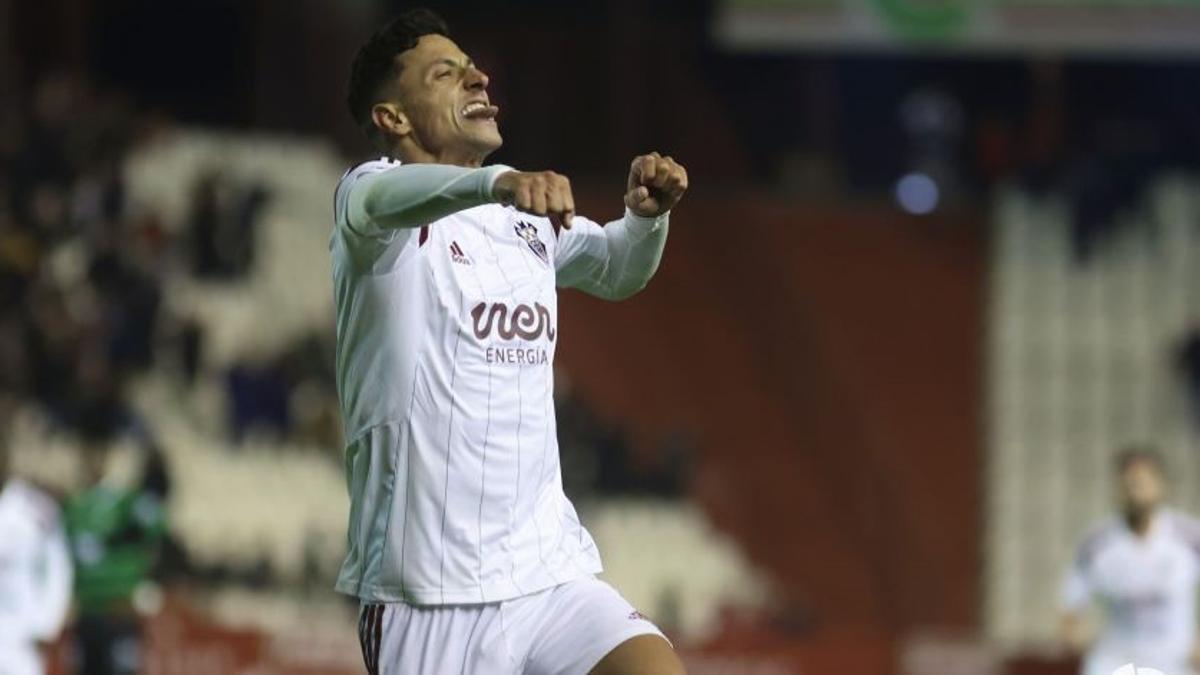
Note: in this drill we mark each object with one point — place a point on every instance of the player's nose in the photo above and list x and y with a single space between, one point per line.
476 78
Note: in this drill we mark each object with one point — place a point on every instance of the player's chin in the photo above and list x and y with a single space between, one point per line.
487 139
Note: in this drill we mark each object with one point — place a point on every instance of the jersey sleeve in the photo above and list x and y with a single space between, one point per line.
1187 528
614 261
1076 591
378 204
349 183
581 252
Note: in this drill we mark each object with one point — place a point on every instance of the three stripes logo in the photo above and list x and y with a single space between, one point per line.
458 255
370 635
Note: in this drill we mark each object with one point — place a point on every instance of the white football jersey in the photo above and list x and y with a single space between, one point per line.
1146 589
446 340
35 569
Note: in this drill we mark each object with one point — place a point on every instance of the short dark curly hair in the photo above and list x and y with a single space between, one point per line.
375 63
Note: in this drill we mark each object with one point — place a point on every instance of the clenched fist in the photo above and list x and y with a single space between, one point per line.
655 185
540 193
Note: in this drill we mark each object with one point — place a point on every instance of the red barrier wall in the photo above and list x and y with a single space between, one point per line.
830 359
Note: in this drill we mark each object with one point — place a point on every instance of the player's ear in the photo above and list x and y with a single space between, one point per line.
390 119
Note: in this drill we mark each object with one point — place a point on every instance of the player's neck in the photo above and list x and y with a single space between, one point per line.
412 154
1140 522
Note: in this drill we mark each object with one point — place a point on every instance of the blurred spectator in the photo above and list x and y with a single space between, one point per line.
116 536
79 291
1187 359
156 479
258 400
35 573
203 225
129 305
222 227
288 396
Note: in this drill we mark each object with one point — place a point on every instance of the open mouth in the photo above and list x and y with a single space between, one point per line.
479 110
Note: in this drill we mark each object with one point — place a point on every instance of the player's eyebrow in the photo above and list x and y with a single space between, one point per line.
447 61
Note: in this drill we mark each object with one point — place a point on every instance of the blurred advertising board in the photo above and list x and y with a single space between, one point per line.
1088 27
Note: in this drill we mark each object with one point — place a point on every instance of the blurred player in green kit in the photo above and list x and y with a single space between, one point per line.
116 534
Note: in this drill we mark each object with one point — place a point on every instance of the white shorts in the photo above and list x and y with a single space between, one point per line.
565 630
1101 663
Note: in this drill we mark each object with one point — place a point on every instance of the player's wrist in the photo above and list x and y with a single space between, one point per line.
645 223
499 182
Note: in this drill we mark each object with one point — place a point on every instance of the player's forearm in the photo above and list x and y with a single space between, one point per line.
635 249
413 195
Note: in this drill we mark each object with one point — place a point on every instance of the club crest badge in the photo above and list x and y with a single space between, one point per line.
530 234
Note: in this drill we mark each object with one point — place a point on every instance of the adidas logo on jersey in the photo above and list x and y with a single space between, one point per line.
458 255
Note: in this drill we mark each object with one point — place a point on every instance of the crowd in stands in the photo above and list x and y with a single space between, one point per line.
82 271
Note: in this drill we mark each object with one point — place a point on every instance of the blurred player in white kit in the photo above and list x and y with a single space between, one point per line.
1142 568
35 573
465 554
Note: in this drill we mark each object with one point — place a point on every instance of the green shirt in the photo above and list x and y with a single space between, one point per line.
115 536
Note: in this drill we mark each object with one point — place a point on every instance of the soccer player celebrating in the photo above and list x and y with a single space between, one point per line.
465 553
35 573
1143 567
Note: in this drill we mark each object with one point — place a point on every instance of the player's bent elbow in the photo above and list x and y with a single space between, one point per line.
373 209
627 290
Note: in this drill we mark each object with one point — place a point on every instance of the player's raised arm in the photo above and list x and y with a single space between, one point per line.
412 195
618 260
